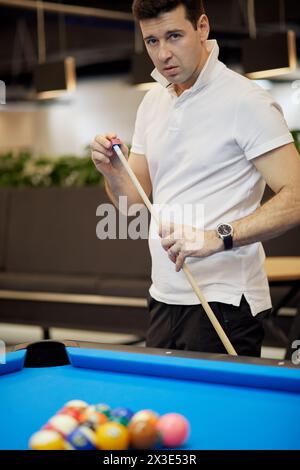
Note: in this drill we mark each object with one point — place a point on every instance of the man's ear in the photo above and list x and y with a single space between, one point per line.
203 27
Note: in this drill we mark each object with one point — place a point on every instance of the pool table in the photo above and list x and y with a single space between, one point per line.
231 402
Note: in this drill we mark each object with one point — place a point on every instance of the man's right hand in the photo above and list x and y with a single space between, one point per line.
105 159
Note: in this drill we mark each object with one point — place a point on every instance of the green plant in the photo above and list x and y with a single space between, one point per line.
296 135
19 170
22 169
11 168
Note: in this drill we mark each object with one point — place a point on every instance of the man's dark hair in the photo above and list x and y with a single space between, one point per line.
149 9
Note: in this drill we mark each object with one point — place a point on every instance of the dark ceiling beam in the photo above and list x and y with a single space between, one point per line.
68 9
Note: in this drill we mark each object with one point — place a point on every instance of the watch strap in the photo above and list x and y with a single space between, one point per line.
228 242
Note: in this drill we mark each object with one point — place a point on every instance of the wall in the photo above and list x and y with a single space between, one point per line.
16 127
68 124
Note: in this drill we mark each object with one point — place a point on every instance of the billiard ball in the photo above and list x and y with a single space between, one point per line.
102 408
112 436
46 440
73 412
146 415
92 419
174 429
142 434
119 419
122 412
82 438
76 404
63 424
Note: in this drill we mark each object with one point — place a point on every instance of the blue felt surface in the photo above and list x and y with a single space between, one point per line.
235 373
14 361
222 416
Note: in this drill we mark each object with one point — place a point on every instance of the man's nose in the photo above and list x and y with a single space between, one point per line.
164 53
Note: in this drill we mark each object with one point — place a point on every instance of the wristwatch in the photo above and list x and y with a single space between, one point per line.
225 232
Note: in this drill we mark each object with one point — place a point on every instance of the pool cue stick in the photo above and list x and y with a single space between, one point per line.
219 330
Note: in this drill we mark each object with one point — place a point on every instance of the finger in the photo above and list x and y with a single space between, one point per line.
96 147
179 262
111 135
104 141
124 149
171 256
176 248
167 243
99 158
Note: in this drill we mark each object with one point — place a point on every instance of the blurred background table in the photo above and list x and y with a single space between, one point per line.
285 271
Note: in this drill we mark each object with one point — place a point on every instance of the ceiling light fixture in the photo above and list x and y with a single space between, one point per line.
53 78
268 56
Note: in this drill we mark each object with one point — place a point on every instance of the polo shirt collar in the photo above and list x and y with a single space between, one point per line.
209 71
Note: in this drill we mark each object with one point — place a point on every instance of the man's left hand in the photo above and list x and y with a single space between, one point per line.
182 241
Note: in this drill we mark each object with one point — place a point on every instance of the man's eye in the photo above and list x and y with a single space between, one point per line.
175 36
151 42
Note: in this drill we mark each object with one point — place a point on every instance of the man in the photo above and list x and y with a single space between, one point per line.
205 135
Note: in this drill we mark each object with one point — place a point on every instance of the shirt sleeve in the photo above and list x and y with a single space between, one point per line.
259 124
138 139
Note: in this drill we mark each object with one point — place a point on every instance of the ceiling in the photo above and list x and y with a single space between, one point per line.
105 45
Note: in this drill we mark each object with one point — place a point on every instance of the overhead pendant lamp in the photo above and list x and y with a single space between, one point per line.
51 78
267 56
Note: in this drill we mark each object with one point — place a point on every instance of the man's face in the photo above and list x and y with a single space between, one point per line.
175 47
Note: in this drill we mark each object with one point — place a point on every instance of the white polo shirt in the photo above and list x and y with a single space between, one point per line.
199 147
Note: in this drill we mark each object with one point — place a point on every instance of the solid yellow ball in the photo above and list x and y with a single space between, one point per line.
46 440
112 436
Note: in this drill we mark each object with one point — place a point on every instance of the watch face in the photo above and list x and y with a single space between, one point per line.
224 229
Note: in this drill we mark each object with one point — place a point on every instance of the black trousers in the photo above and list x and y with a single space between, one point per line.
187 327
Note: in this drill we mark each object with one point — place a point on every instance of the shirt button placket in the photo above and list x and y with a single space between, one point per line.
175 119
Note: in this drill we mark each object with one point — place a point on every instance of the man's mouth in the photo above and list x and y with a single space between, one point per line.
170 70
